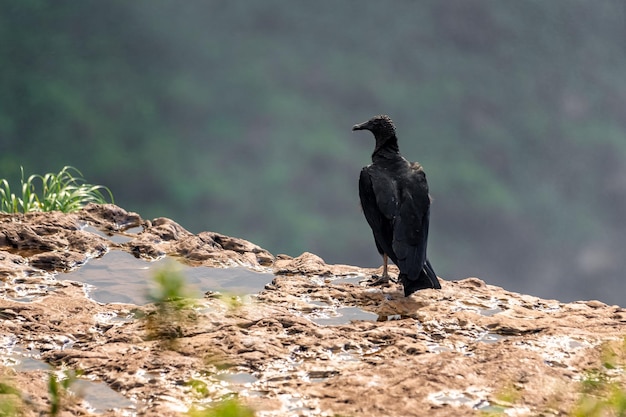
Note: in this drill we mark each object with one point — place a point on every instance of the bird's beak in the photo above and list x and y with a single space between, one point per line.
361 126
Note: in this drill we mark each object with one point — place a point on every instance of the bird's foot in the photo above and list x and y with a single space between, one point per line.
377 280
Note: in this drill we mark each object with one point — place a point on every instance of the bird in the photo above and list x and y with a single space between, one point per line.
396 203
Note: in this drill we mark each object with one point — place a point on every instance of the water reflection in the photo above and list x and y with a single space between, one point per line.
119 277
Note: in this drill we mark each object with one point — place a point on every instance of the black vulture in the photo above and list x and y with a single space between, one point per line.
395 201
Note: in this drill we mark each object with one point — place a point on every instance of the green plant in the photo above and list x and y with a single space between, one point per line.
226 408
10 400
198 387
607 398
602 389
174 306
503 400
58 389
11 203
64 191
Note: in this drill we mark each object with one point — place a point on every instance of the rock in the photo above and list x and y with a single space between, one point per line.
58 241
315 342
109 217
310 264
48 241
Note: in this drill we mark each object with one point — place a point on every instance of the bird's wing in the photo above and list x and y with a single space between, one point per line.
378 201
410 229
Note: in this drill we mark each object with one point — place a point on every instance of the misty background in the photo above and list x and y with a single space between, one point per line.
235 117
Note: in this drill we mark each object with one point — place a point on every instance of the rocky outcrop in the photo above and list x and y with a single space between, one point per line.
315 342
58 241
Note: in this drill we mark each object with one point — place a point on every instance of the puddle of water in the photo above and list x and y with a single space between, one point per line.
472 397
343 315
107 317
349 279
119 277
555 350
19 358
484 307
486 407
437 348
490 338
395 317
452 398
319 303
490 311
347 356
326 313
239 378
99 396
28 363
29 360
23 299
297 406
117 237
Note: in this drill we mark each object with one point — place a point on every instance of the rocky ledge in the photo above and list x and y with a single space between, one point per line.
314 342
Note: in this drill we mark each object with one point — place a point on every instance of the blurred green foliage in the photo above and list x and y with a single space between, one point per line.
173 307
603 392
58 389
11 404
226 408
236 116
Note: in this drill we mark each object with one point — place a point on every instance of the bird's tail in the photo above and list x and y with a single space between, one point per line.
430 273
427 279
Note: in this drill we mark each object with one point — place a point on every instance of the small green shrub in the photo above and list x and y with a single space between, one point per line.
58 389
10 401
227 408
603 391
174 306
64 191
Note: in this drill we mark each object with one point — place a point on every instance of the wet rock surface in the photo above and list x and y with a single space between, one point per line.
315 341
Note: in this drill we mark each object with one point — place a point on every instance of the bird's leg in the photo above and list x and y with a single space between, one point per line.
384 279
385 274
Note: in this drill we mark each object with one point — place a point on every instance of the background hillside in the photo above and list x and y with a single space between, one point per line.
236 117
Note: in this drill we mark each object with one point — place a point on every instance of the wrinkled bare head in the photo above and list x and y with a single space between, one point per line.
381 126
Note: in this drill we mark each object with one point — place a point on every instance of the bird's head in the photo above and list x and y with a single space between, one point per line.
381 126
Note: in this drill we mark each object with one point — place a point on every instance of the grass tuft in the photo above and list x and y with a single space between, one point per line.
11 404
64 191
603 390
58 389
227 408
173 307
